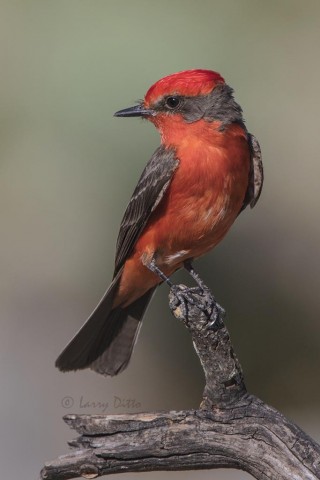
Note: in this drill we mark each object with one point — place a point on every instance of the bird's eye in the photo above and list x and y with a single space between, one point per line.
173 102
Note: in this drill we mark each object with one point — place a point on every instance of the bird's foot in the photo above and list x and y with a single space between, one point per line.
217 316
188 295
188 298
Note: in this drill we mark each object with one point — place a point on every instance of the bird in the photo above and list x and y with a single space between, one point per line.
206 171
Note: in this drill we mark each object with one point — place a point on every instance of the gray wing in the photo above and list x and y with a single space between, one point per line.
151 187
255 175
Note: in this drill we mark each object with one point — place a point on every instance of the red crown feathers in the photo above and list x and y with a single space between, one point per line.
187 83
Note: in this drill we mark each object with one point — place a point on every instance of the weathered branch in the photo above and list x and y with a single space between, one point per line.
232 429
211 340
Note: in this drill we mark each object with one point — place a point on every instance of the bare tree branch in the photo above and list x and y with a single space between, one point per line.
232 429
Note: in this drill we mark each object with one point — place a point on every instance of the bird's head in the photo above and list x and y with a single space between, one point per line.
187 97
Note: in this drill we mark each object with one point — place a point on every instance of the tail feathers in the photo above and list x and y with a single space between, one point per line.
86 345
117 354
105 342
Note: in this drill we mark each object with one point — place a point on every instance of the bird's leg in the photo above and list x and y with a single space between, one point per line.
203 290
189 267
184 295
191 294
156 270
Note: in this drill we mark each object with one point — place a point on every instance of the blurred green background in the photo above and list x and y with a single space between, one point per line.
68 169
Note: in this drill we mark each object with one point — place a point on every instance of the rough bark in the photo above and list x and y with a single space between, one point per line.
232 429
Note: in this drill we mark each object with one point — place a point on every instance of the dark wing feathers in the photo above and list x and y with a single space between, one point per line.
106 340
151 187
257 170
255 175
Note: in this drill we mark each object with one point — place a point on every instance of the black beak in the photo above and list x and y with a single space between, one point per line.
137 111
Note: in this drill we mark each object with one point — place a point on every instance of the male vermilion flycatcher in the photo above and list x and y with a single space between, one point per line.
206 171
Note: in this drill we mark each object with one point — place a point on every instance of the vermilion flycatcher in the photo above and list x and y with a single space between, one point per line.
206 171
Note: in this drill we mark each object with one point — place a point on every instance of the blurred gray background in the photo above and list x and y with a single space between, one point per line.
68 169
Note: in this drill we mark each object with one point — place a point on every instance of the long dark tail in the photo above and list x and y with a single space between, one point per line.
105 342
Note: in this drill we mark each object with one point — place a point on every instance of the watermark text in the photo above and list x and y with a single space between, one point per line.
115 402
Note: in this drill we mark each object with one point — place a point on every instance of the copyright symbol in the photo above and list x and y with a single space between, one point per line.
67 402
